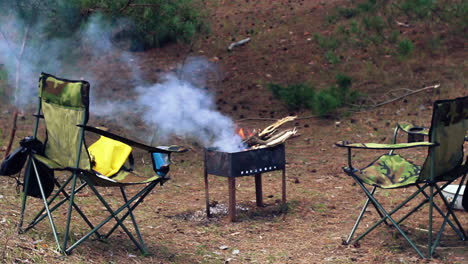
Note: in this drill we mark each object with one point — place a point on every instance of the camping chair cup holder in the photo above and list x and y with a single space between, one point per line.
444 164
64 107
414 135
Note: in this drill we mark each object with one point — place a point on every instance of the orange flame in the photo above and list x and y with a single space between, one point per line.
245 132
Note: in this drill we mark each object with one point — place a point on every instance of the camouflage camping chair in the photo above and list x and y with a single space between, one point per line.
444 164
64 108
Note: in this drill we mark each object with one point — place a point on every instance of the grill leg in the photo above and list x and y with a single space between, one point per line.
284 189
207 195
258 189
232 199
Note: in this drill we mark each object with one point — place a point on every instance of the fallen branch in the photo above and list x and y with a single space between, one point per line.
12 133
17 79
398 98
238 43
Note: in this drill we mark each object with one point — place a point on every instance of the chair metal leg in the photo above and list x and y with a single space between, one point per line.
358 220
40 216
46 204
460 231
387 216
70 211
24 196
113 214
140 200
431 206
137 230
423 203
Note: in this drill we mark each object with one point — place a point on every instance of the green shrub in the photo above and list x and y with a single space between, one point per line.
405 47
367 6
3 81
148 23
354 27
323 103
374 23
296 96
332 57
348 12
418 8
327 43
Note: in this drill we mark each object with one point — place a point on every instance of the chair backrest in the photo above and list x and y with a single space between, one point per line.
448 128
65 104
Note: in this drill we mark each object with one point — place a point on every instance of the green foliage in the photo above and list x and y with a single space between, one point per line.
296 96
405 47
148 23
323 103
348 12
368 6
332 57
354 28
328 43
418 8
374 23
3 81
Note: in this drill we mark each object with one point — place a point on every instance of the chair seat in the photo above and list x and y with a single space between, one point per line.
390 171
119 179
122 178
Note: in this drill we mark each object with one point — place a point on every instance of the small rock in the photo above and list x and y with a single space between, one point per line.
235 252
223 247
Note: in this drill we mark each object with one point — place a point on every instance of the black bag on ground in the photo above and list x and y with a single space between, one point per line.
46 175
14 162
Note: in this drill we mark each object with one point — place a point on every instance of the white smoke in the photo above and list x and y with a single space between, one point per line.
176 106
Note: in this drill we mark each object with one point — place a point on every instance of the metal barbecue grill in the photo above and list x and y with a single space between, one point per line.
244 163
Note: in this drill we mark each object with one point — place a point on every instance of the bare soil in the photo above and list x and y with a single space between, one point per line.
323 202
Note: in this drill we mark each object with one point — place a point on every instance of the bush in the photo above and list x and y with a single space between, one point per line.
418 8
149 23
323 103
348 12
327 43
405 47
375 23
332 57
367 6
296 96
3 81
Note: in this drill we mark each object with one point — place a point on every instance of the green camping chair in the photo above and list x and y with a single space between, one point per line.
445 163
64 108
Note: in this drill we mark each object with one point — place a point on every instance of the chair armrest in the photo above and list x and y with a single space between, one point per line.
159 149
346 144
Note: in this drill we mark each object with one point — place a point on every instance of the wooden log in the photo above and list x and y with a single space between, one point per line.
271 129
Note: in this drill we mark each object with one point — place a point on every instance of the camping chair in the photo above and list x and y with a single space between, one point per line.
64 108
444 164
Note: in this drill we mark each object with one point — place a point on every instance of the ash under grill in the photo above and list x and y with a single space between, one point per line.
244 163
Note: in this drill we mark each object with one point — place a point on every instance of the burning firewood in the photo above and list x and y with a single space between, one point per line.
268 131
278 139
270 137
